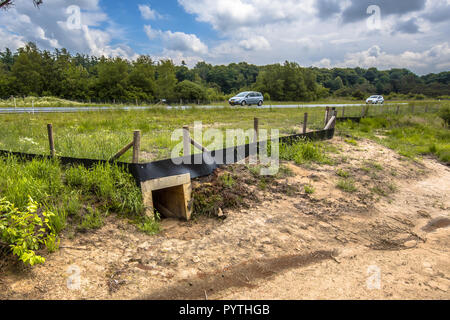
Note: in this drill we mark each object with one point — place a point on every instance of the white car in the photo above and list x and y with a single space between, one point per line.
375 100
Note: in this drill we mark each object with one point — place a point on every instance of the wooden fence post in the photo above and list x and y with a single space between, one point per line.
50 139
335 115
363 112
136 145
256 127
305 122
327 111
398 110
186 141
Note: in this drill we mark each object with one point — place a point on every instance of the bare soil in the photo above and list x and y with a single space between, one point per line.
277 243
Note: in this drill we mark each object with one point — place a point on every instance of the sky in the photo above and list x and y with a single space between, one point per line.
412 34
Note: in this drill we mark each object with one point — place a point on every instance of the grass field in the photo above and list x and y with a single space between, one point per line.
411 135
99 135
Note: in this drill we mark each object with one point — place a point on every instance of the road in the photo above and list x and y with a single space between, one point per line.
131 108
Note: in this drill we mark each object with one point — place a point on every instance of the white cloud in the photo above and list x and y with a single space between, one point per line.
255 43
432 60
148 13
178 41
48 28
9 40
296 30
228 15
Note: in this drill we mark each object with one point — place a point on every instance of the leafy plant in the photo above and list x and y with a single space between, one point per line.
342 173
227 180
26 231
309 189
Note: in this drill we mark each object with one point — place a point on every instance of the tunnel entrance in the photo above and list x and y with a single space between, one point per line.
170 196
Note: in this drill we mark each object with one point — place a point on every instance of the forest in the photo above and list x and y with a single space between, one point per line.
31 71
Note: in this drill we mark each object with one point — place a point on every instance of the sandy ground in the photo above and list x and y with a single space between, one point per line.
387 240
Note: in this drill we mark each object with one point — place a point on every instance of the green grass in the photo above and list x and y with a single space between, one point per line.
305 152
78 196
411 136
347 185
342 173
309 189
99 135
227 180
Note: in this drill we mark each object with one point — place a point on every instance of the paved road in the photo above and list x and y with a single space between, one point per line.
130 108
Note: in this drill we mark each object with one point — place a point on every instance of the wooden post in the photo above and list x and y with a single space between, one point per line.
50 139
122 152
305 122
256 127
330 123
136 145
363 112
398 110
186 141
335 118
426 109
327 111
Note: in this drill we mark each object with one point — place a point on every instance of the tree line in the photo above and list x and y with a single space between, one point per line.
33 72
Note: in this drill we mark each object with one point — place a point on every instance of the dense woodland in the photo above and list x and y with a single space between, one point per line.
34 72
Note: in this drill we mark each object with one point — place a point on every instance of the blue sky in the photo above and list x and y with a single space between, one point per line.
385 34
173 17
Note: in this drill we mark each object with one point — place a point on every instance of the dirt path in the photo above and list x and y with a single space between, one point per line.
419 270
290 245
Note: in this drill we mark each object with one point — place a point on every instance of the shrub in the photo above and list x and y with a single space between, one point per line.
309 189
25 231
445 115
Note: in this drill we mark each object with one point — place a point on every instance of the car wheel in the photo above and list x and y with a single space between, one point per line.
260 103
243 103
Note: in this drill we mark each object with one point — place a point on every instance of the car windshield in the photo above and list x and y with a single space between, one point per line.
243 94
374 96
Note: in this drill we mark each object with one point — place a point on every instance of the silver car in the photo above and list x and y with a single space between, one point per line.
247 98
375 100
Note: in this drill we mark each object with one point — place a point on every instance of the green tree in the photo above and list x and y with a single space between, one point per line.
142 79
27 71
188 90
113 78
166 80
